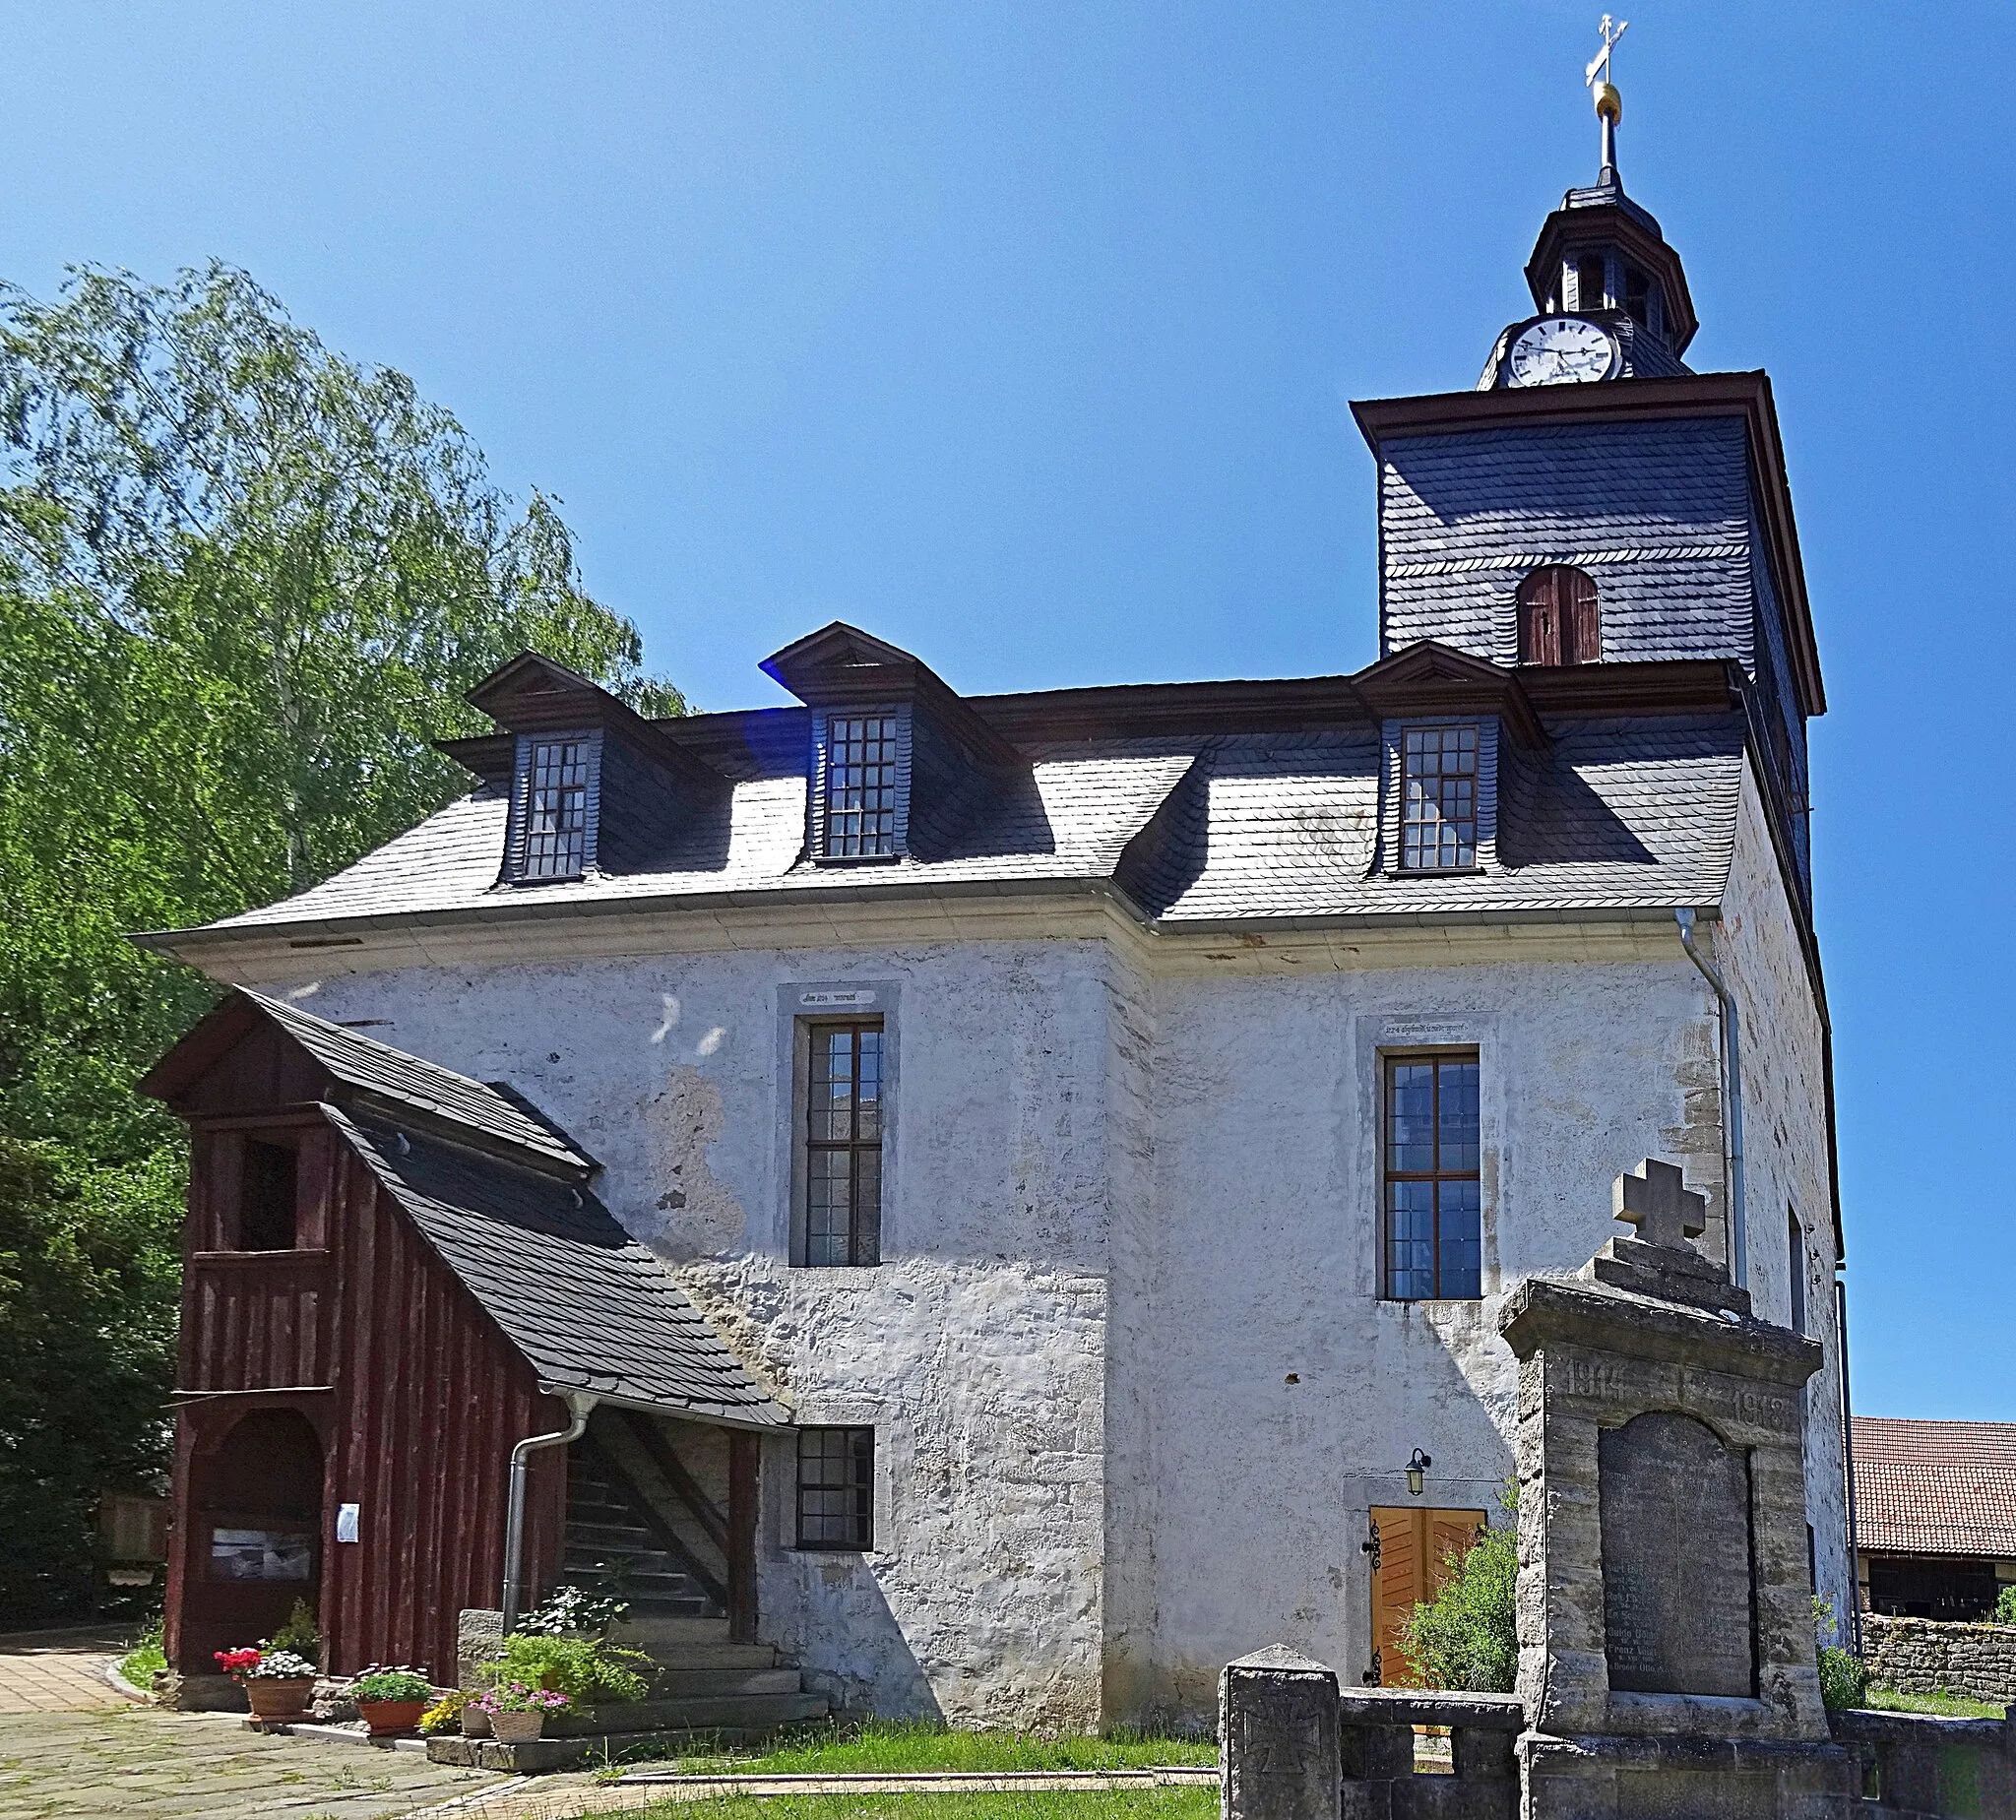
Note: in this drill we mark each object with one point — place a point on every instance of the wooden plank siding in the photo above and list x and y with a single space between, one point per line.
416 1393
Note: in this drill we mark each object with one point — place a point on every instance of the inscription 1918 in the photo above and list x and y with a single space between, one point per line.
1677 1600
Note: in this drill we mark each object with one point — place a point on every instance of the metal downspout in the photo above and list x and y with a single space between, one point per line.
1854 1557
579 1404
1733 1100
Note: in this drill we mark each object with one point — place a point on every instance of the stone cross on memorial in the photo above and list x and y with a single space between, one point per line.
1652 1199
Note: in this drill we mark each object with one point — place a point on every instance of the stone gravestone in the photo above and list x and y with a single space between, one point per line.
1665 1635
1277 1737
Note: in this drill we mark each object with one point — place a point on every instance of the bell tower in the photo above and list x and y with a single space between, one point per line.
1594 514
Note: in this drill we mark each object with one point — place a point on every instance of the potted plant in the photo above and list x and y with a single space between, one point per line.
518 1713
277 1683
392 1700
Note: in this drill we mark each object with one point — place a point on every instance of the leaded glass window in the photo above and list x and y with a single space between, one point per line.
858 815
1438 799
844 1144
556 791
1434 1230
836 1487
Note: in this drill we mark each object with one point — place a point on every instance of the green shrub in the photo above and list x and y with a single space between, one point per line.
146 1660
297 1634
391 1684
1466 1639
589 1672
2005 1605
1844 1675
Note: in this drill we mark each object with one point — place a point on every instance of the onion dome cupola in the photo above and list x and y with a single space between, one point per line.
1609 295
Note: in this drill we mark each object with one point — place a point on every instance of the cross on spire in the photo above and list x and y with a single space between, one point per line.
1599 69
1652 1198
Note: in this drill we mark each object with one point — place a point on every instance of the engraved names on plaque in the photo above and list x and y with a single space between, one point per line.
1677 1559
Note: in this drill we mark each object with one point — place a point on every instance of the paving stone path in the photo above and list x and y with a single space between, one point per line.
140 1762
58 1671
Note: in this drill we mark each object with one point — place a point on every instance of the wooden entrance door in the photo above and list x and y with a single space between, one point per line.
1412 1562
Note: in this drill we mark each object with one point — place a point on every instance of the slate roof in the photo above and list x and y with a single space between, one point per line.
1613 815
390 1076
1935 1487
590 1308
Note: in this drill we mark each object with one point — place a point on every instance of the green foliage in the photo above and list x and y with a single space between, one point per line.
298 1634
244 582
1467 1638
147 1658
1844 1675
588 1671
391 1684
2005 1605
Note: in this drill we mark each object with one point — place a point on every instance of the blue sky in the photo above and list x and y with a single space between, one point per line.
1022 334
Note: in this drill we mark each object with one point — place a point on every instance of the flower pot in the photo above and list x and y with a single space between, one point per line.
386 1717
275 1699
517 1728
475 1723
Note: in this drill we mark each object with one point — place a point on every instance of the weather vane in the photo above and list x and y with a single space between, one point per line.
1610 105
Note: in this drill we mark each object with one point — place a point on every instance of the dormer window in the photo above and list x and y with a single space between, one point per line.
860 777
1557 617
553 809
1438 799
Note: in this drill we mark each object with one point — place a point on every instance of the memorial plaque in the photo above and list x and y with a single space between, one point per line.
1677 1605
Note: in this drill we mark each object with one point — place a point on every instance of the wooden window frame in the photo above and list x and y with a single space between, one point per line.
1561 617
856 1483
1465 848
519 867
1389 1061
863 1248
861 795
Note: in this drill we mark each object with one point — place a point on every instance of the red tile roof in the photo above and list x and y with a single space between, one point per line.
1935 1487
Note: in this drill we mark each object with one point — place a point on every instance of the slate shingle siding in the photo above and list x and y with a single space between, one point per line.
1658 512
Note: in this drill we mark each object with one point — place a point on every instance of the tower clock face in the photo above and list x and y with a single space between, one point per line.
1562 350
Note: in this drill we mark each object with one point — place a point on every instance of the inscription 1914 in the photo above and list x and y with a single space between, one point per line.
1677 1597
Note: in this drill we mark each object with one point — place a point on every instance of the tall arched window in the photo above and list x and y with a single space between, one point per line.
1557 620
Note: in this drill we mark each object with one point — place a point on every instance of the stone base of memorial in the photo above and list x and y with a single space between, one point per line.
1667 1653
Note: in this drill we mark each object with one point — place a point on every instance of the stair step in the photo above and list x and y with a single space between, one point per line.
756 1712
677 1682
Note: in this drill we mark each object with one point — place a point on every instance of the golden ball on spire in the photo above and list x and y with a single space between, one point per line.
1610 105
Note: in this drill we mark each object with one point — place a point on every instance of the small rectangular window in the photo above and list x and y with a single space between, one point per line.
1638 297
1438 799
843 1142
266 1197
836 1488
1588 283
1795 1247
1434 1219
556 787
858 815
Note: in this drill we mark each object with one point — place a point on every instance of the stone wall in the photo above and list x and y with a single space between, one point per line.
1925 1655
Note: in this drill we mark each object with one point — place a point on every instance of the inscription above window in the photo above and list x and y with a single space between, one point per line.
858 819
1438 799
1435 1220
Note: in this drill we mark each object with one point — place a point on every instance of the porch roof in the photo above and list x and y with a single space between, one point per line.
588 1307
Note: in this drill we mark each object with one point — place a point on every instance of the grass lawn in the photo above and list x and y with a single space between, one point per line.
1128 1804
888 1747
1941 1705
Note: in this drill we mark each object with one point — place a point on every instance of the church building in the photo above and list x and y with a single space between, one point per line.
1003 1201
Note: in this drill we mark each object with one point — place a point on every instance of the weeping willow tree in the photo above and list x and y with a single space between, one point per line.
243 584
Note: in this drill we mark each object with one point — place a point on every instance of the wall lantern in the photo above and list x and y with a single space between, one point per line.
1416 1467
